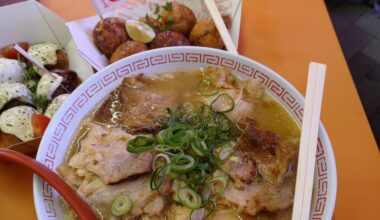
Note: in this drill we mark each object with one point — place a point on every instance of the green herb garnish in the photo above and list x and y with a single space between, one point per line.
157 15
157 9
31 78
30 73
40 101
168 6
186 146
170 20
148 21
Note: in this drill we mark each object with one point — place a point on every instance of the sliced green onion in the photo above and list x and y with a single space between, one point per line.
195 120
165 148
218 183
187 108
178 135
199 107
121 205
158 177
235 159
208 112
184 164
162 119
158 156
175 156
185 147
177 185
223 103
226 152
141 144
199 147
212 131
160 137
222 122
189 198
207 88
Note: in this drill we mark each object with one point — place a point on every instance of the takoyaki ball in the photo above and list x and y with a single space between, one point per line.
69 83
13 103
169 39
126 49
108 34
62 61
50 55
205 34
179 19
227 21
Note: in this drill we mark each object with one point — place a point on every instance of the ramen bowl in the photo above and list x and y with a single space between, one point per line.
66 122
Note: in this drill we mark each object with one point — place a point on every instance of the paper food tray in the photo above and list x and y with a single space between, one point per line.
32 22
81 30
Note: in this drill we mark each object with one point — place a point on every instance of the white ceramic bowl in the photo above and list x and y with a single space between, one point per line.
64 125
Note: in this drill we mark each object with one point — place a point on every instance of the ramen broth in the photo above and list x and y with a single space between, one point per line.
267 112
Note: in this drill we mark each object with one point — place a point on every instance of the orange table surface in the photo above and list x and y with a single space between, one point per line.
285 36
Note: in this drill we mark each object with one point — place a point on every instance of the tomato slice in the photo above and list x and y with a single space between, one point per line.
10 52
39 124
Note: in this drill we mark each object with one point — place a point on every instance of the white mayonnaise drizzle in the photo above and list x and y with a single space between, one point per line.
44 52
9 91
48 84
17 121
55 104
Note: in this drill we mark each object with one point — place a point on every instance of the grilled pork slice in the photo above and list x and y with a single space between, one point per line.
273 157
260 196
103 152
240 169
145 201
136 104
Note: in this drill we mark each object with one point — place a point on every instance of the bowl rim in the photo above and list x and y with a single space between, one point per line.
322 131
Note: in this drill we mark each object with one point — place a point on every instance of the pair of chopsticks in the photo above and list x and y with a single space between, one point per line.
308 142
219 23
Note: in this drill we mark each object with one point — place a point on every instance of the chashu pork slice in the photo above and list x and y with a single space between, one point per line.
103 152
260 196
146 203
136 104
263 175
240 169
273 156
260 152
144 200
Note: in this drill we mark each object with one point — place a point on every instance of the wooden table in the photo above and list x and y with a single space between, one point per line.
286 36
